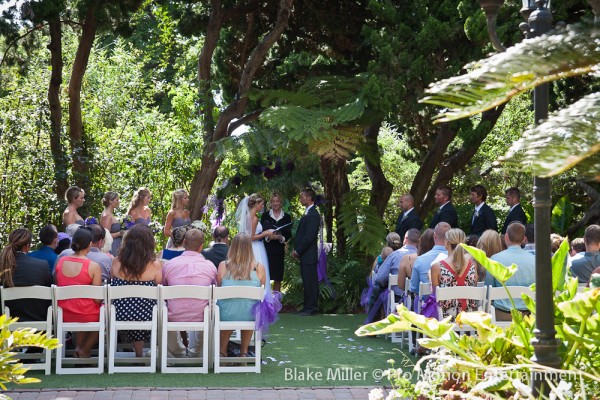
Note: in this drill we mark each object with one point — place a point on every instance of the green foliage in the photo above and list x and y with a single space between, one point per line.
562 215
504 353
11 371
347 278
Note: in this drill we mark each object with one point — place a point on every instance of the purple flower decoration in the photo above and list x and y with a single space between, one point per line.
127 223
90 221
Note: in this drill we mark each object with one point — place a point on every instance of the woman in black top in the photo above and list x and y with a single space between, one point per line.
18 269
274 219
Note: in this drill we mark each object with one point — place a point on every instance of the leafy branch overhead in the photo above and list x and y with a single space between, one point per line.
564 140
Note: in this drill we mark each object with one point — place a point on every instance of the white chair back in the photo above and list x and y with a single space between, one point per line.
236 292
461 292
31 292
498 293
178 364
79 292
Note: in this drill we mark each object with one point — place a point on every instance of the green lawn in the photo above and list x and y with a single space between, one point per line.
301 351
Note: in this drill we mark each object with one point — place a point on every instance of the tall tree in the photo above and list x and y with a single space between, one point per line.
250 55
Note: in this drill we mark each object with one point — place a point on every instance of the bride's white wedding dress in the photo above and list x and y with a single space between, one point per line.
260 254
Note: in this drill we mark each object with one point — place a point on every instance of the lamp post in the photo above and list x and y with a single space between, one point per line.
545 344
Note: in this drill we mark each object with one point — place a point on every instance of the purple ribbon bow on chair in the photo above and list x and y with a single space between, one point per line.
265 312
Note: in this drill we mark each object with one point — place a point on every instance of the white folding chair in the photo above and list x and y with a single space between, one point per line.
185 292
461 292
80 292
235 292
498 293
396 337
31 292
129 291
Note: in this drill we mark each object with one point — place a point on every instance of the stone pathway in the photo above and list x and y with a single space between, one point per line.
332 393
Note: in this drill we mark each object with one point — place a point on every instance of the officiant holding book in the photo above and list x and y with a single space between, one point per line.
276 219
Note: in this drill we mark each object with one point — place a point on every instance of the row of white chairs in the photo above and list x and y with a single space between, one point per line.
485 296
159 326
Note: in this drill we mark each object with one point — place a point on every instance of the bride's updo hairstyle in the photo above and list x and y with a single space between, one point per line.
137 198
254 199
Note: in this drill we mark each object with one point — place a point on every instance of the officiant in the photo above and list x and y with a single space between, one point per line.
277 219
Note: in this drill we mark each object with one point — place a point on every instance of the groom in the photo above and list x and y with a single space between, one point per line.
306 250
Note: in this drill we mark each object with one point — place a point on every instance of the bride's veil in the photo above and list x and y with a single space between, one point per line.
242 217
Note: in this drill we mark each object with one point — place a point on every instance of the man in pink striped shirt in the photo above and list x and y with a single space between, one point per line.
190 268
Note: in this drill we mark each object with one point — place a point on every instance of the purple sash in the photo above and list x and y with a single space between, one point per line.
265 312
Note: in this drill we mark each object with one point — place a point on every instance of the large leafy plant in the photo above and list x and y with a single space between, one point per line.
11 371
504 354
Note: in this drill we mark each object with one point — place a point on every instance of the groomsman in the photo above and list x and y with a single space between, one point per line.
483 216
409 218
446 211
305 250
516 213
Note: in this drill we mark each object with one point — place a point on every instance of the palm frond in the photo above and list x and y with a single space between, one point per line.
572 51
569 138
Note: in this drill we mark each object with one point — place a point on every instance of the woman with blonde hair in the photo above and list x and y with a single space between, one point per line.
240 269
138 210
75 198
178 214
491 244
456 270
111 201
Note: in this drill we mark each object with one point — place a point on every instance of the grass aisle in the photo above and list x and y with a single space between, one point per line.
301 351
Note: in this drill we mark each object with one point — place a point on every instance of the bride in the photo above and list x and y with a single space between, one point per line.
248 223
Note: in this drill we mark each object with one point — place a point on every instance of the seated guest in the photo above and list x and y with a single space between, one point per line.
525 275
240 269
530 236
472 240
385 252
18 269
406 264
190 268
176 248
423 262
49 240
583 267
64 242
95 254
78 269
555 241
392 263
577 249
218 252
136 265
491 243
457 269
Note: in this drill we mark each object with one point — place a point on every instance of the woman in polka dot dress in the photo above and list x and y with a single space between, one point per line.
136 265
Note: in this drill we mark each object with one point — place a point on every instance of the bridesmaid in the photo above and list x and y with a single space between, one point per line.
138 210
108 220
178 215
75 198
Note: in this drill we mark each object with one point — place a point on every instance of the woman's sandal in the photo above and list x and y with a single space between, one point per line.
243 355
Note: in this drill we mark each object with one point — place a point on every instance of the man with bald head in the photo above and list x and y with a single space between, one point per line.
408 219
422 264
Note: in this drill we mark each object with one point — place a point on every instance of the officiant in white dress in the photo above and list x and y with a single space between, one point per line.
248 223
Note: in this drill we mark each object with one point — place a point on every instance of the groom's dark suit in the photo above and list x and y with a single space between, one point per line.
306 248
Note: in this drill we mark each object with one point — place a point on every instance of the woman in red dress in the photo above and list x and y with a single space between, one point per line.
80 270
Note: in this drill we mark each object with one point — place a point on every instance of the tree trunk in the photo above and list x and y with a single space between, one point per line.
335 180
61 181
81 156
206 176
423 179
381 188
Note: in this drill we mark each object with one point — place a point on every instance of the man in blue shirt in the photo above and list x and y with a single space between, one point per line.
392 262
422 264
525 275
49 239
